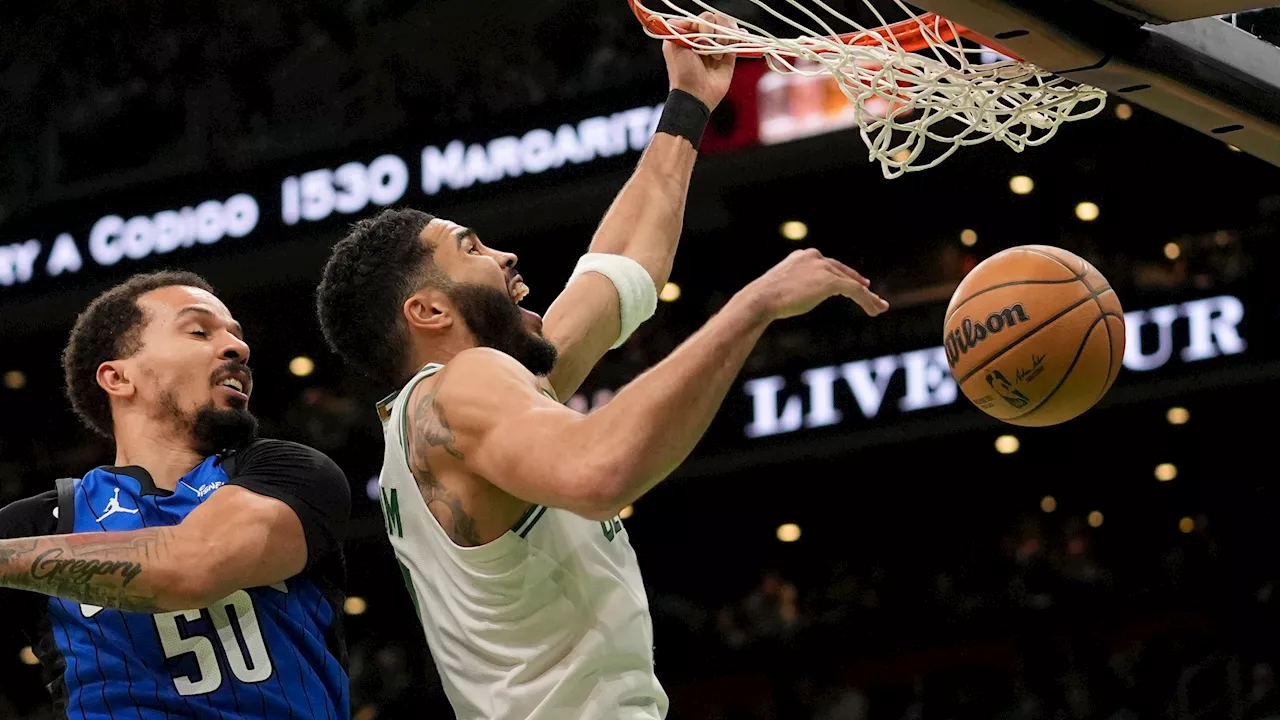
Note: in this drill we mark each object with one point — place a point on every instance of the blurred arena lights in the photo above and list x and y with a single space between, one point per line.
1166 472
27 656
1007 444
355 605
1021 184
1177 416
15 380
1095 519
968 237
1172 250
789 532
302 366
1087 211
1124 111
1186 524
670 292
626 512
794 230
1048 503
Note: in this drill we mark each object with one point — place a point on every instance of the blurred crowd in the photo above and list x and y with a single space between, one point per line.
110 93
100 94
1048 632
1039 628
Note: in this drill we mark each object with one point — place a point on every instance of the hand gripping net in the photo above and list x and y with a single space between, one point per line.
918 68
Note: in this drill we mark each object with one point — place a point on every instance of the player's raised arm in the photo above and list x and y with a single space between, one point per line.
487 411
615 286
285 509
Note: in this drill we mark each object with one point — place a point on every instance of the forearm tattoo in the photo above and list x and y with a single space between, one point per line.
116 570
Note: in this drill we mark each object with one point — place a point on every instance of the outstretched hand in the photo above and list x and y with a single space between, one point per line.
805 278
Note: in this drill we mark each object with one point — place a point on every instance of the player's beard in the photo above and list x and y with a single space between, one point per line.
495 321
212 429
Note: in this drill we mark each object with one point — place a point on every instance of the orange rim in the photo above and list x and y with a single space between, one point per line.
909 34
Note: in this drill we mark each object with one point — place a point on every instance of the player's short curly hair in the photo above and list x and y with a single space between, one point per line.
370 274
111 329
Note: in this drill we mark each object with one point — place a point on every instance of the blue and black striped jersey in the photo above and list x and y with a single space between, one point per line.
268 652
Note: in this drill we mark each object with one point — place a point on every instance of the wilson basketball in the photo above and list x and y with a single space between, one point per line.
1034 335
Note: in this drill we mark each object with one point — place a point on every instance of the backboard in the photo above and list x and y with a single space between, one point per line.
962 72
1212 65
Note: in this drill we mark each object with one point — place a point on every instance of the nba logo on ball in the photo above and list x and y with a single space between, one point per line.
1034 335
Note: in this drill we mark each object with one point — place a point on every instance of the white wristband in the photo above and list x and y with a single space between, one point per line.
637 297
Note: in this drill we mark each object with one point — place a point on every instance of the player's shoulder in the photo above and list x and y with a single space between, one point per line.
479 380
473 386
270 445
36 515
479 371
276 454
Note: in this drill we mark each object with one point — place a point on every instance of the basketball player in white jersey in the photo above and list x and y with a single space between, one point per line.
501 504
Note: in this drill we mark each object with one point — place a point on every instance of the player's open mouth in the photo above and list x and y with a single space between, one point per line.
237 398
518 289
239 383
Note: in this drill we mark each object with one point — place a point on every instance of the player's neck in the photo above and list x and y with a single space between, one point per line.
166 459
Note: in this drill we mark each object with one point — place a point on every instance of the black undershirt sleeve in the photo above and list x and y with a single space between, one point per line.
308 482
32 517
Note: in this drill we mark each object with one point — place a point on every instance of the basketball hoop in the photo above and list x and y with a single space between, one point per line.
919 67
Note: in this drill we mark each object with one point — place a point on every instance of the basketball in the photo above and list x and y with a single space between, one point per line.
1034 335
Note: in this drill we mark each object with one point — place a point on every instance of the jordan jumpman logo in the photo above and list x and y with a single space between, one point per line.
113 507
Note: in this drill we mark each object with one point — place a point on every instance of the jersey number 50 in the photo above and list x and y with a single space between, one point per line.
249 662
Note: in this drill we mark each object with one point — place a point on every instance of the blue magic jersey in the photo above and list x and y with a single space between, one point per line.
265 652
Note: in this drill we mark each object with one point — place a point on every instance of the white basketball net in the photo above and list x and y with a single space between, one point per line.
1006 100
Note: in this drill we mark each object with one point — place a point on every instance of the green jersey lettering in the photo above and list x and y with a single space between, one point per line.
611 528
391 513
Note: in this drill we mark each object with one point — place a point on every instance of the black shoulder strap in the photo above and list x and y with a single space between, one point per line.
66 505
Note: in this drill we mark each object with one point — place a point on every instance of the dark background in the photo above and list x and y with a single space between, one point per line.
927 581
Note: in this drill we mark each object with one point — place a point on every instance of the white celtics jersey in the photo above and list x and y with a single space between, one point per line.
548 621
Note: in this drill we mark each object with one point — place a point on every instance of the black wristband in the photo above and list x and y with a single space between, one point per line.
684 116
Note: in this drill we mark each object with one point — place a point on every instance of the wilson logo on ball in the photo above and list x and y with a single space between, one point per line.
966 337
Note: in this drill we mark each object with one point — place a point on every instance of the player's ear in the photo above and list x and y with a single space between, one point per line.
429 310
115 377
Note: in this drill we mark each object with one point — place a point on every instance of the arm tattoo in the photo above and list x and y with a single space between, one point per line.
431 430
115 570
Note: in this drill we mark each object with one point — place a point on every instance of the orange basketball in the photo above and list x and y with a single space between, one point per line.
1034 335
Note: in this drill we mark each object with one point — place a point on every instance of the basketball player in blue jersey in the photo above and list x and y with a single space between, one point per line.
201 575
